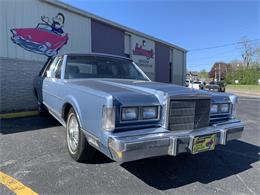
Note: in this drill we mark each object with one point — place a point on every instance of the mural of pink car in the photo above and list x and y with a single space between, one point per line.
39 40
139 50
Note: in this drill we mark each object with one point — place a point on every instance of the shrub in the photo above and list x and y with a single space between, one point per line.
246 76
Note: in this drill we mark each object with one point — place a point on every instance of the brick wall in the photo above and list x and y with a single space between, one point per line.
16 84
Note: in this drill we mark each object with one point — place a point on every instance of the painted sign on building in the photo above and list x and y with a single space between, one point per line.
46 38
142 51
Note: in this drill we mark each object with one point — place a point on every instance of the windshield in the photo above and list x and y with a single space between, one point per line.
44 26
101 67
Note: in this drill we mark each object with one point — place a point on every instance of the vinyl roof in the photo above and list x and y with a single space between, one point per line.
90 15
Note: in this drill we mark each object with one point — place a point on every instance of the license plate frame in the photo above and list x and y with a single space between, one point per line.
203 143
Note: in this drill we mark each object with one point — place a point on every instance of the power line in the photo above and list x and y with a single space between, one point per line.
217 57
224 45
221 51
213 59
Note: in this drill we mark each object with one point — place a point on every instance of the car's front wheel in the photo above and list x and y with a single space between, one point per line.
78 147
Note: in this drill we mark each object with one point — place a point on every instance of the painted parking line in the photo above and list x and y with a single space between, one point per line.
15 186
18 114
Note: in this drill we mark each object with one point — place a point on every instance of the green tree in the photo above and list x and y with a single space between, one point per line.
246 76
203 74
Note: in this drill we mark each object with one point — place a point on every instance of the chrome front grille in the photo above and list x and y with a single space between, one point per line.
188 114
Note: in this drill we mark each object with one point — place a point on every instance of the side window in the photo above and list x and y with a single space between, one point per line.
55 66
46 67
50 66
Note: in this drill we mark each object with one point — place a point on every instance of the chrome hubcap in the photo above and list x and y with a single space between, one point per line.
72 133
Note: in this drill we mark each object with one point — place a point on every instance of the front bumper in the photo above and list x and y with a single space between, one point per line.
129 148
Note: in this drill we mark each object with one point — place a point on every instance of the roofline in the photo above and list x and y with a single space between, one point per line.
97 54
98 18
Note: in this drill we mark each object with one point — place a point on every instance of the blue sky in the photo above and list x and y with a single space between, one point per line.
189 24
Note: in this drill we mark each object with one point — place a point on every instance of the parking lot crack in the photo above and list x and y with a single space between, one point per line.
237 175
240 178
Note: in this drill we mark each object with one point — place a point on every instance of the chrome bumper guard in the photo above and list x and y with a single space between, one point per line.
172 143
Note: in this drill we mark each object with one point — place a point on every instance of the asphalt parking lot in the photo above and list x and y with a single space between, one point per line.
33 151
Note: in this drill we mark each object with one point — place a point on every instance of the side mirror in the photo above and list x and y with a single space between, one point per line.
50 74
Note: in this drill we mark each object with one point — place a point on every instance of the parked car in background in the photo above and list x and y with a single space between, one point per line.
195 84
108 104
216 86
188 82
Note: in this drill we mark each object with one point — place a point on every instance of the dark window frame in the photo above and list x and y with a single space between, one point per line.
50 62
59 68
45 66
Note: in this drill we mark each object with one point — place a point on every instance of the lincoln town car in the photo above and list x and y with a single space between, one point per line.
108 104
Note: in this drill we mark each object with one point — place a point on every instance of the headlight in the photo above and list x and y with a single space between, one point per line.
219 108
150 112
108 118
234 110
224 108
234 101
214 108
129 114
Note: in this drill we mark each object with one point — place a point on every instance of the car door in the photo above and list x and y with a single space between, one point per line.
52 86
38 81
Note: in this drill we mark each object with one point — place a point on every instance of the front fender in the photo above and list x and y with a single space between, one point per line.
74 103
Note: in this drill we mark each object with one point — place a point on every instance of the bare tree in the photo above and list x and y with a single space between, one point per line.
248 51
257 56
235 64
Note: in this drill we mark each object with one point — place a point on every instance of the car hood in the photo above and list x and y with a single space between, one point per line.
128 91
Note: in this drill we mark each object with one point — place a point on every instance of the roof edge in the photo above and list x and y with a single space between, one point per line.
96 54
98 18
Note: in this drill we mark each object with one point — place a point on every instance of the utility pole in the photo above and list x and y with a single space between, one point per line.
219 72
215 75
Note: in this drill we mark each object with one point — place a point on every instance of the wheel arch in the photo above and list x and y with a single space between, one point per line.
69 103
65 110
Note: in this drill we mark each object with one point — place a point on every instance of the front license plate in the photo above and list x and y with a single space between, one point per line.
204 143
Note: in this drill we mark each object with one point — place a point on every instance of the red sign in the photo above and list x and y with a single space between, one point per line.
139 50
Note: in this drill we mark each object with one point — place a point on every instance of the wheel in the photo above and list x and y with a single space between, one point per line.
42 48
78 147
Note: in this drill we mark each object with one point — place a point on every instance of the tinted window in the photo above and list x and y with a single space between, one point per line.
101 67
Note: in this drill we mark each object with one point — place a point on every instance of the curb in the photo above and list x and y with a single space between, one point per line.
19 114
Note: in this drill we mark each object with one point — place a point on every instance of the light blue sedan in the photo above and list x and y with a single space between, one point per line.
107 103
